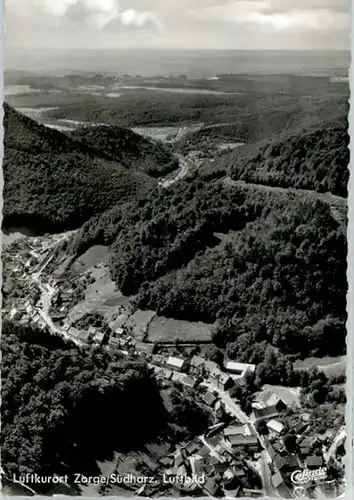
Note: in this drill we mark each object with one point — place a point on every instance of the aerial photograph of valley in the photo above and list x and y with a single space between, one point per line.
174 249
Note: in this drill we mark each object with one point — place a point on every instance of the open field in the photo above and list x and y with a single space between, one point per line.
94 256
331 366
101 297
170 330
312 362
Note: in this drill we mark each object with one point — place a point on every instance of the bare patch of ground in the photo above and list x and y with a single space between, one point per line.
94 256
101 297
331 366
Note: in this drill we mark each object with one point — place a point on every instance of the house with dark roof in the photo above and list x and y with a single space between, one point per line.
279 446
306 444
214 440
192 448
210 399
220 467
300 427
262 412
292 462
167 461
190 382
98 337
92 330
268 406
314 462
285 463
144 348
248 441
238 470
204 451
275 426
239 371
279 462
234 430
211 487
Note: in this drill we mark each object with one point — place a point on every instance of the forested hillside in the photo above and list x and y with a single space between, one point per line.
315 159
63 405
52 182
127 148
265 267
265 121
268 269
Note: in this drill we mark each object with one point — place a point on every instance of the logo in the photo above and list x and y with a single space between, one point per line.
302 477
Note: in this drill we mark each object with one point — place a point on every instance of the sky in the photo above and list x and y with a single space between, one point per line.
176 24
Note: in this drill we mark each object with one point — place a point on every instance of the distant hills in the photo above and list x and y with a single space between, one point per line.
53 182
127 148
268 120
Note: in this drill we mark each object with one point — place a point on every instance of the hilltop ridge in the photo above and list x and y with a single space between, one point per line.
53 182
127 148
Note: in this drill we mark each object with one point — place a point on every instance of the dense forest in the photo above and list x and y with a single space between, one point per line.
265 268
276 280
315 159
260 124
256 113
64 407
127 148
52 182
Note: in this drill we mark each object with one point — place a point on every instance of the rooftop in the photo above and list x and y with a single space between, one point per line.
235 430
277 479
233 366
314 461
241 440
197 361
176 362
275 425
189 381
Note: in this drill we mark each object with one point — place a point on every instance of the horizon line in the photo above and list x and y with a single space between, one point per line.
166 49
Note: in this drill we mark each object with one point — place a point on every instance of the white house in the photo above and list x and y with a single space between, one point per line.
275 426
238 371
178 364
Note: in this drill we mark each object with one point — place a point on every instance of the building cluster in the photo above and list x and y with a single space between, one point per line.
26 311
19 261
221 469
197 368
305 451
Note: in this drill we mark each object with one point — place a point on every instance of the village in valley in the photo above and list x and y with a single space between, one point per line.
240 455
